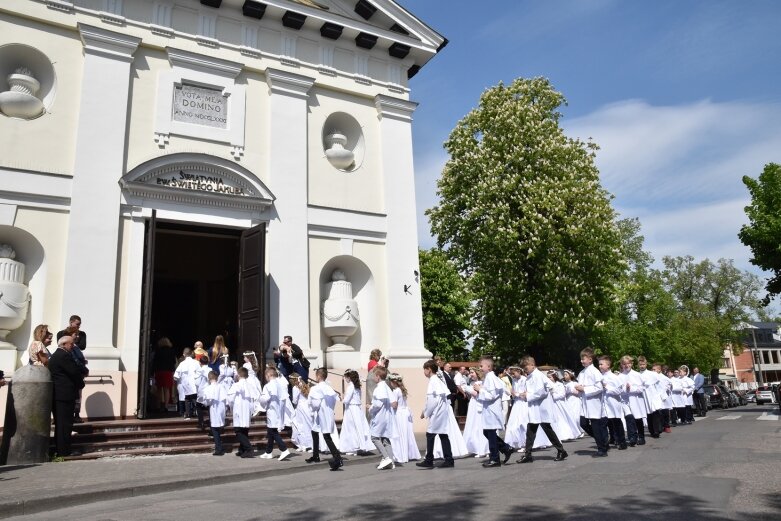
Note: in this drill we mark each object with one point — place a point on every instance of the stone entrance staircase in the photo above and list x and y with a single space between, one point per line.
174 435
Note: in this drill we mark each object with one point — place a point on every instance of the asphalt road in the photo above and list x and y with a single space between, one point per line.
724 467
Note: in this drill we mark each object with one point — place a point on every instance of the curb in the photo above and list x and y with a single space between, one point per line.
50 503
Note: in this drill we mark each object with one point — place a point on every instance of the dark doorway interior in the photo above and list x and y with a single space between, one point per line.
195 289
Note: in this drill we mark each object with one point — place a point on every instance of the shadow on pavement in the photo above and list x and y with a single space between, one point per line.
668 505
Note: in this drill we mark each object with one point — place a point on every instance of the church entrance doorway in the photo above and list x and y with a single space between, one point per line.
199 282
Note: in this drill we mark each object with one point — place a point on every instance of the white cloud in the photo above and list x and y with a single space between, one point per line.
679 169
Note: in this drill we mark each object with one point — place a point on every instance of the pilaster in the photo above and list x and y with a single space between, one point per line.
405 316
93 232
287 244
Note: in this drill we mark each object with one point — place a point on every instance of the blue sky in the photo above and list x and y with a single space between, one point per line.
683 97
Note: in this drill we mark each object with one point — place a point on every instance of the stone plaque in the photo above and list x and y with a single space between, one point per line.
200 106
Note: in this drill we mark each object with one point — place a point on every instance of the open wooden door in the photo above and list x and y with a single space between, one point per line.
145 339
252 276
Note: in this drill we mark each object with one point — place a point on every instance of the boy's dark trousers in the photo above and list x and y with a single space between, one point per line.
189 405
617 430
495 444
328 441
242 434
447 452
531 433
272 435
217 440
200 408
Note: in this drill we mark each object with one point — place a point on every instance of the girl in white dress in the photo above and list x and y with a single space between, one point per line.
251 365
565 427
302 419
572 398
355 436
476 442
405 447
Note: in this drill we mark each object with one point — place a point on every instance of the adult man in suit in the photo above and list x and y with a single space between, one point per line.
447 377
699 393
67 380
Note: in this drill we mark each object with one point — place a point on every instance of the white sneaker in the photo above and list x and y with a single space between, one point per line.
300 449
266 455
349 454
385 463
284 455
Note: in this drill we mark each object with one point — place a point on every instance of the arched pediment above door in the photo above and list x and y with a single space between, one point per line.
190 178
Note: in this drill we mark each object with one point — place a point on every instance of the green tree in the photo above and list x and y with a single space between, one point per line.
524 217
763 232
446 305
712 299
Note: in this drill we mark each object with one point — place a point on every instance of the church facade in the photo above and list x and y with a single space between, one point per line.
186 169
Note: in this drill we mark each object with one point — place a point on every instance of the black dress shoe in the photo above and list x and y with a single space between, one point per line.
527 458
335 464
218 453
632 443
561 455
641 441
622 446
426 464
249 455
446 464
600 454
508 453
491 464
313 459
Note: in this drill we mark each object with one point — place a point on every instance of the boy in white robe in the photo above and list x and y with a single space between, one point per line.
241 397
436 410
688 394
613 401
185 379
633 395
271 399
653 399
214 397
593 420
489 395
322 401
665 387
383 418
201 381
540 414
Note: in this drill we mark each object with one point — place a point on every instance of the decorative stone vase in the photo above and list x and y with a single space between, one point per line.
339 156
21 101
340 312
14 294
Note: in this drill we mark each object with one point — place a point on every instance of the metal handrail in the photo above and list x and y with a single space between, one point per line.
101 377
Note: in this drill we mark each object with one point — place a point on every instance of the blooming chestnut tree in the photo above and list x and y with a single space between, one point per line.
523 216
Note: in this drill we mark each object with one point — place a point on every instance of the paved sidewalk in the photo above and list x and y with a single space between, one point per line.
26 489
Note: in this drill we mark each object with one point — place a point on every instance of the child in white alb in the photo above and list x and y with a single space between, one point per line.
405 447
302 420
355 436
383 418
271 399
241 398
322 401
214 397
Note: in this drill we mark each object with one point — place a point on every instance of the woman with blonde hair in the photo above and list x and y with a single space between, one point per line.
39 354
216 352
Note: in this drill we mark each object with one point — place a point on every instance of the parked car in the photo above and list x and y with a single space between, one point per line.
765 395
718 396
739 397
751 396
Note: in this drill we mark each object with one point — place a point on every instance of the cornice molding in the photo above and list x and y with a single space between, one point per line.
288 83
191 60
109 44
396 108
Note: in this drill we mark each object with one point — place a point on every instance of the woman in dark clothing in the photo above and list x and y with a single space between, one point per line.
163 366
